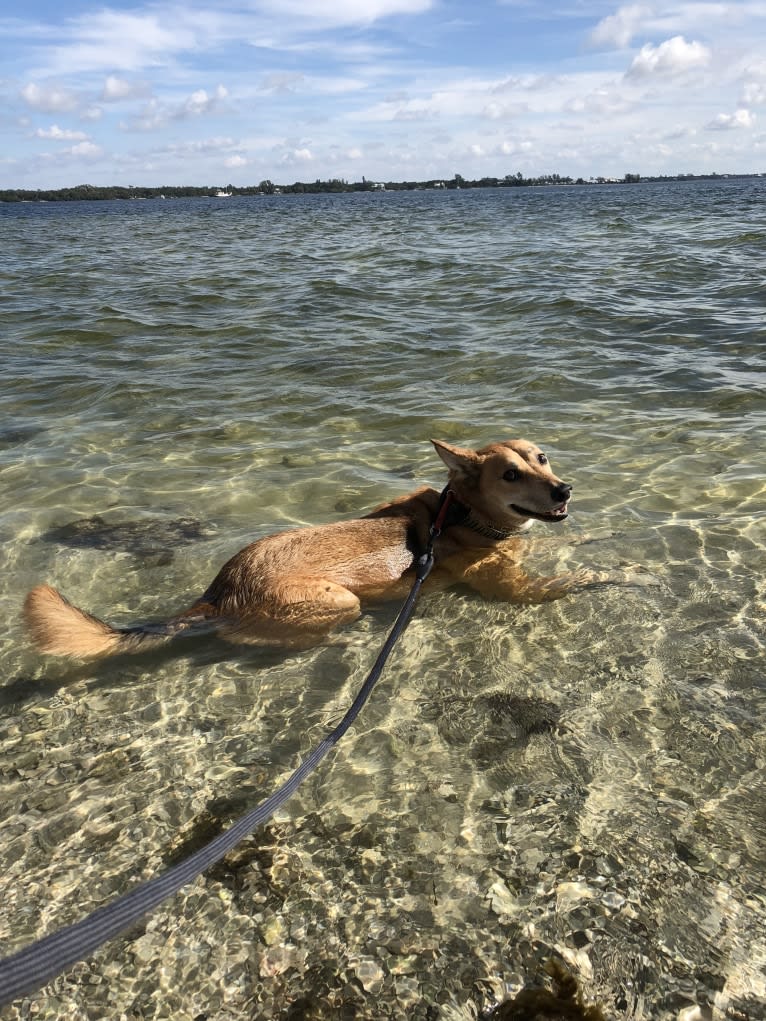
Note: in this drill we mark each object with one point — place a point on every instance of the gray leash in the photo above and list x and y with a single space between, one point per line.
30 968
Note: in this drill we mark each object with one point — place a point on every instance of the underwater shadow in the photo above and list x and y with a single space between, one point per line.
197 652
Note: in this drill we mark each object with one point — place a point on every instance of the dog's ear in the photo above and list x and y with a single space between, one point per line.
463 462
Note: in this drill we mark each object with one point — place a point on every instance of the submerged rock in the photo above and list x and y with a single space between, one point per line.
14 435
530 715
146 537
496 717
564 1002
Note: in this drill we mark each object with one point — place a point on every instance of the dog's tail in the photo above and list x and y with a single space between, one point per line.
61 629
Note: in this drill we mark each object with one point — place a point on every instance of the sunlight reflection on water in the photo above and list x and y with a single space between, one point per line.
582 779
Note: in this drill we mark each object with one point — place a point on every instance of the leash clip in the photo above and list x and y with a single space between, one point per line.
426 561
446 498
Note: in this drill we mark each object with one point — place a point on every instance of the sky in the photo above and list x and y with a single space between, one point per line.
242 91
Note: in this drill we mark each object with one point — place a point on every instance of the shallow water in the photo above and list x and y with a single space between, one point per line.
182 377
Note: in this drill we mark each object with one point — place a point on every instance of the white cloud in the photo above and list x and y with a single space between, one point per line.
117 90
156 115
678 133
216 144
618 29
119 40
60 134
604 101
200 102
49 98
417 110
344 12
293 83
754 85
526 83
234 162
652 20
151 117
727 121
87 150
495 101
672 57
754 93
293 156
282 82
504 111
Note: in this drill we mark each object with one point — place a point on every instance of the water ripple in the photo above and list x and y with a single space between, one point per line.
270 362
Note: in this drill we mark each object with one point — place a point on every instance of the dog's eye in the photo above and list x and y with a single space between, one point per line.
542 458
511 475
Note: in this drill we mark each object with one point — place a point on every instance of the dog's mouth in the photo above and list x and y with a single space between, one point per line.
556 514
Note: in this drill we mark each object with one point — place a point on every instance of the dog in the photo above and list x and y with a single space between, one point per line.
295 587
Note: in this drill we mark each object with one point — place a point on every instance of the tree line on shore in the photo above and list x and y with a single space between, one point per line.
84 192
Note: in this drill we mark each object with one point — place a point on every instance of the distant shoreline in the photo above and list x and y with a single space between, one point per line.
89 192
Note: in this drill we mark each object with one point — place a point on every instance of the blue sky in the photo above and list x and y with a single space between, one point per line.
240 91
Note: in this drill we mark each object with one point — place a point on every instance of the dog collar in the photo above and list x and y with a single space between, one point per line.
488 531
459 514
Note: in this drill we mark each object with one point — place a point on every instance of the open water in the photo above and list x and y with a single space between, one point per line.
581 781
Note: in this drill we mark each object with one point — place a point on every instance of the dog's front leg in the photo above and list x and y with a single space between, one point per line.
497 577
543 590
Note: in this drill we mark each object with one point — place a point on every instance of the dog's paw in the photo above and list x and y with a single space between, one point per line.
635 574
597 535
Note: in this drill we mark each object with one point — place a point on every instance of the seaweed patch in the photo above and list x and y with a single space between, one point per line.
562 1002
146 537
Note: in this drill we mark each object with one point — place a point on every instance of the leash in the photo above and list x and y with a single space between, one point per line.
30 968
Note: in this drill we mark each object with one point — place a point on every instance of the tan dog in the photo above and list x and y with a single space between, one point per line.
294 587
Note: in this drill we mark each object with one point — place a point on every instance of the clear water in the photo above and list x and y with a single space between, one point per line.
196 374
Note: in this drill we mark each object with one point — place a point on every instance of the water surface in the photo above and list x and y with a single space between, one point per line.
582 780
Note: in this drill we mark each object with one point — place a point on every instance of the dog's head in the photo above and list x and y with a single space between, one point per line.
506 484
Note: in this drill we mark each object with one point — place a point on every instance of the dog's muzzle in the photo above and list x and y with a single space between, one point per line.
560 493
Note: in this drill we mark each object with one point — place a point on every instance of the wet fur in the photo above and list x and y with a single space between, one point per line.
294 587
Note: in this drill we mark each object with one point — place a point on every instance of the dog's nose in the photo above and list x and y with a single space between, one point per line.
561 492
